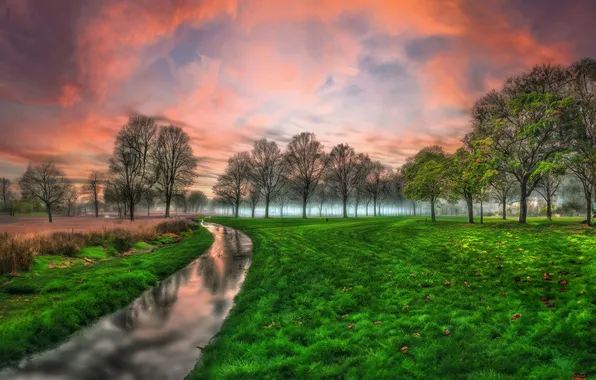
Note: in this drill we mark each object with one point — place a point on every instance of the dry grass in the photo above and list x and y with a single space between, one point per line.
17 252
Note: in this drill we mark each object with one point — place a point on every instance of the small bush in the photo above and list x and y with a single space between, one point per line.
174 226
61 243
121 240
95 238
16 253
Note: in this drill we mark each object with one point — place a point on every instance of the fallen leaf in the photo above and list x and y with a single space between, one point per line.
447 332
562 290
517 279
416 334
515 316
404 349
503 294
466 284
447 284
351 326
412 275
378 323
563 282
270 326
578 377
343 316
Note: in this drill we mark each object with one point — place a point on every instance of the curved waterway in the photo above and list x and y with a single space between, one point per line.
156 337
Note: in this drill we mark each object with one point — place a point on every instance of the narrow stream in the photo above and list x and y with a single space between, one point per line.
156 337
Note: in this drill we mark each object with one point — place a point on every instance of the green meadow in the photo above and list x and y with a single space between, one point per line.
397 298
59 294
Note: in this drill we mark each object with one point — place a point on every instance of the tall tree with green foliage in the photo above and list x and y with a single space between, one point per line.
468 175
526 126
425 176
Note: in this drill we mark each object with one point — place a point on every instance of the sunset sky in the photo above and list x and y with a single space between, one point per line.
385 76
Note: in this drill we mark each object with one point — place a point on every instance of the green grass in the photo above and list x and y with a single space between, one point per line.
60 294
310 280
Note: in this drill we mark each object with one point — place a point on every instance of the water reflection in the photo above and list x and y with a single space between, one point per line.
156 337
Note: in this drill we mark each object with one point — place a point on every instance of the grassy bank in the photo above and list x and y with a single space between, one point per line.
391 298
60 294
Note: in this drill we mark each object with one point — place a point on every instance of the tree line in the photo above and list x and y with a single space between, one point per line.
148 163
540 127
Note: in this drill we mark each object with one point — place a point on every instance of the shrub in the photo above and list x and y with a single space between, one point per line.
16 253
121 240
61 243
174 226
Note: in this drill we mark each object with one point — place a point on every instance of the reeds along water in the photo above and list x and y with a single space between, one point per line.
18 251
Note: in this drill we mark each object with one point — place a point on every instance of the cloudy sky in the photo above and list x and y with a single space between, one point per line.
387 76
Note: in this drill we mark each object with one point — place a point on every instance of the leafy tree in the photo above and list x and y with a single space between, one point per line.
525 126
425 176
502 188
46 183
548 187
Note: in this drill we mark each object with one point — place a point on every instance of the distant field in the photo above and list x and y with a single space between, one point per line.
40 224
398 298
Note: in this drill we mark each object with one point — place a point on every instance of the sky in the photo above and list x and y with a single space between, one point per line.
386 76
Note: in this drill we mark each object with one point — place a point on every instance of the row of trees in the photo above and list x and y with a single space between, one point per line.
304 172
524 139
149 163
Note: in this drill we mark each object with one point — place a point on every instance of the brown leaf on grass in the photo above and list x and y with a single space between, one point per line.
378 323
563 282
503 294
343 316
517 279
447 284
412 275
466 284
416 334
351 326
562 290
578 377
447 332
515 316
404 349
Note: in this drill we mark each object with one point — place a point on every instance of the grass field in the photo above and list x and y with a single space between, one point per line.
61 294
395 298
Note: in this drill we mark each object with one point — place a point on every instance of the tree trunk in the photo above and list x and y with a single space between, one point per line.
549 211
523 203
588 208
252 215
236 208
96 209
49 213
267 207
433 217
148 210
345 204
414 207
168 203
304 199
131 211
367 205
356 210
504 211
374 206
281 211
320 210
481 212
470 206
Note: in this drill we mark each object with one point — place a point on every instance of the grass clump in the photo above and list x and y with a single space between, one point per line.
16 254
395 298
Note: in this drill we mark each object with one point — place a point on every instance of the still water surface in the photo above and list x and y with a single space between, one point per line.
156 337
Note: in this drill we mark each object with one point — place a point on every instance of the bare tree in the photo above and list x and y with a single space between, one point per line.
547 188
71 198
283 197
233 184
196 201
345 171
45 182
174 162
267 167
376 183
93 188
322 195
253 199
148 200
6 194
307 163
502 188
130 163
